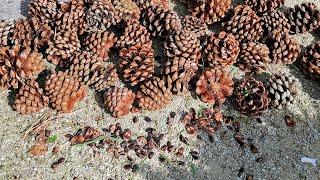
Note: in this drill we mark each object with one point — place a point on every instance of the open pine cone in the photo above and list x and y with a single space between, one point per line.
127 10
104 77
263 6
64 91
196 25
45 10
6 31
42 33
214 86
153 94
137 63
144 4
275 20
119 101
310 62
30 98
251 97
221 49
17 66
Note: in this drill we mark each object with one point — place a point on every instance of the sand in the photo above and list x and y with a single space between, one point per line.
280 146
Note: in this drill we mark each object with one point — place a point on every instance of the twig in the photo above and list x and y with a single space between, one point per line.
37 124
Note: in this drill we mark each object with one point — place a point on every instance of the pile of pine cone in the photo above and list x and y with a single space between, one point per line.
79 36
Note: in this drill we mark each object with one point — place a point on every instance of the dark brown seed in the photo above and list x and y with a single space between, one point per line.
61 160
200 137
162 159
249 177
211 138
239 138
172 114
253 148
129 158
181 163
194 154
135 119
184 139
150 155
180 152
126 135
260 159
127 167
290 121
191 129
56 150
259 120
236 125
240 172
54 165
147 119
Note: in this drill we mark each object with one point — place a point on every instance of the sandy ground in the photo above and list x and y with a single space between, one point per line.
281 147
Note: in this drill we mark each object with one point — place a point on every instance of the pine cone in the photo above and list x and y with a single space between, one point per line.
119 101
17 66
253 57
144 4
6 31
284 49
64 91
245 24
137 63
214 86
30 98
45 10
104 77
221 49
100 43
251 97
275 20
310 61
263 6
23 34
282 89
153 94
196 25
133 34
304 18
42 34
127 10
160 22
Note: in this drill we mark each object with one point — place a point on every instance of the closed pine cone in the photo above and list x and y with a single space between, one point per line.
196 25
253 57
245 25
310 61
144 4
160 22
127 10
119 101
304 17
30 98
6 31
221 49
137 63
17 66
251 97
104 77
64 91
214 86
45 10
100 43
153 94
274 20
263 6
282 90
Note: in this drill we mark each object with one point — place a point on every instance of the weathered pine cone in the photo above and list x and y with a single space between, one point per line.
221 49
43 34
45 10
100 43
310 61
137 63
196 25
304 17
22 33
144 4
64 91
16 66
214 86
251 97
263 6
274 20
153 94
160 22
104 77
282 90
30 98
118 101
245 25
253 57
6 31
127 10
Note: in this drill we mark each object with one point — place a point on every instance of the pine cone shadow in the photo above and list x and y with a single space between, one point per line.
24 4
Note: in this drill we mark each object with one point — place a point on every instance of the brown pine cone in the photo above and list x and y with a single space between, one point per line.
133 34
263 6
30 98
153 94
137 63
64 91
274 20
283 48
160 22
214 86
282 90
99 43
45 10
22 33
245 25
144 4
104 77
119 101
253 57
196 25
221 49
17 66
251 97
310 61
6 31
304 17
127 10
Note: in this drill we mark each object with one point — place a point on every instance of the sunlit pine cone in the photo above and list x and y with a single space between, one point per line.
304 18
245 25
221 49
119 101
196 25
30 98
274 20
104 78
282 90
251 97
64 91
100 43
214 86
253 57
6 32
263 6
43 34
160 22
22 33
310 61
17 66
127 10
153 94
45 10
137 63
144 4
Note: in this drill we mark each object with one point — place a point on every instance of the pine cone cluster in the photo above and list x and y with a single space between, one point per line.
119 101
276 20
263 6
310 61
196 25
6 31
